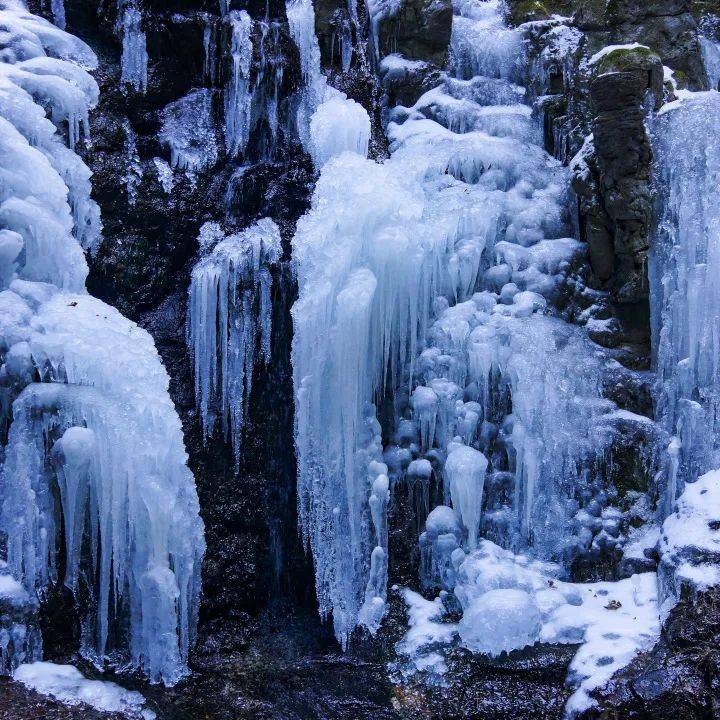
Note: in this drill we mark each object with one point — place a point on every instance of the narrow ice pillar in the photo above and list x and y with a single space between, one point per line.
465 468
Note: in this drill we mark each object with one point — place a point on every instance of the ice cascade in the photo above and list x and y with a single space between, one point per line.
685 290
93 461
433 274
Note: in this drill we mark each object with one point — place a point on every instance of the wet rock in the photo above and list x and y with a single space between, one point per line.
615 191
419 30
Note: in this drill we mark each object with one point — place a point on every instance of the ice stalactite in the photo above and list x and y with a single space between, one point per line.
134 59
685 289
94 463
238 91
229 321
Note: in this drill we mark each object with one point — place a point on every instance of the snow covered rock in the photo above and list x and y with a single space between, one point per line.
68 685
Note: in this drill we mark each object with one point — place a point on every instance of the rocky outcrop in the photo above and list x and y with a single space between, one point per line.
418 30
613 186
596 114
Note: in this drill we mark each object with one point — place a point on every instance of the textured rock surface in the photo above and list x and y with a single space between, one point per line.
419 30
616 198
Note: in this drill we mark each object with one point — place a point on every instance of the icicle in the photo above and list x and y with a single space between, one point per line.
58 11
238 94
134 60
229 317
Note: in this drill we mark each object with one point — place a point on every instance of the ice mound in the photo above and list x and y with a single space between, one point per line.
500 621
512 601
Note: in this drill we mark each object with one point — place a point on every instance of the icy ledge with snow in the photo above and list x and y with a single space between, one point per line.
83 390
510 602
69 686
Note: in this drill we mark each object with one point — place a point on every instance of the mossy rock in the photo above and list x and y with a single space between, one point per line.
522 11
682 79
626 60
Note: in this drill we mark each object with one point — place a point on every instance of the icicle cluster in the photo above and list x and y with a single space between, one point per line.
467 202
685 285
229 320
238 92
84 395
134 58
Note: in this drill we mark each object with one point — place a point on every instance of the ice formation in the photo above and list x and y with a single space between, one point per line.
134 59
328 122
229 320
68 685
511 601
685 292
20 640
189 132
238 93
91 419
436 270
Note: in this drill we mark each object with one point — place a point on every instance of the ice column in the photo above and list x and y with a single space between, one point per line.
685 284
238 93
134 58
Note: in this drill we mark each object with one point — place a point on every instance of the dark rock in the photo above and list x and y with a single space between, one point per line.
420 30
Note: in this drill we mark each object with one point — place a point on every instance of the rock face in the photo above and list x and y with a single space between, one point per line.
419 30
615 194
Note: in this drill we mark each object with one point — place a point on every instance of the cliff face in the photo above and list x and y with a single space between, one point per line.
262 652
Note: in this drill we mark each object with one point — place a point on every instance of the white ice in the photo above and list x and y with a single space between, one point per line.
68 685
229 320
91 417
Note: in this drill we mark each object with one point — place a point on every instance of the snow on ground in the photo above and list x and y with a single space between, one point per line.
511 602
68 685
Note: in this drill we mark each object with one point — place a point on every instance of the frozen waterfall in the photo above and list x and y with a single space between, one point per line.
93 465
685 300
432 275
